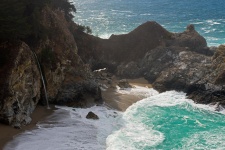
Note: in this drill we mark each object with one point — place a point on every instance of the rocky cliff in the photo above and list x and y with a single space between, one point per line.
68 79
20 84
170 61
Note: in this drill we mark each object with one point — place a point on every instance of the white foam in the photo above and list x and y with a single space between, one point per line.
138 91
213 139
68 129
103 36
135 135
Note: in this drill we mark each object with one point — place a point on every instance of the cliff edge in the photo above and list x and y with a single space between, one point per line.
68 80
170 61
68 56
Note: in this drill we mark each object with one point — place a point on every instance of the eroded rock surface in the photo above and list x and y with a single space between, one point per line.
68 78
20 84
170 61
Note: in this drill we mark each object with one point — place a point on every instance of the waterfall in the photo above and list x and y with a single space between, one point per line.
42 78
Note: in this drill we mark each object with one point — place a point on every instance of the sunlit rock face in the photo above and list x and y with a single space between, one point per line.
170 61
20 84
68 79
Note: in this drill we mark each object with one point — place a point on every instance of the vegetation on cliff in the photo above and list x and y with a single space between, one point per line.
20 20
46 28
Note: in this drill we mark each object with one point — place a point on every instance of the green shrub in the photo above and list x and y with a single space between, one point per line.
82 28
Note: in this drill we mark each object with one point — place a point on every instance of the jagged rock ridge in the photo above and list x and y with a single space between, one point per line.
170 61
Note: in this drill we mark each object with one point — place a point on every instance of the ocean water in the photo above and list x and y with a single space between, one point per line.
162 121
68 129
165 121
106 17
169 121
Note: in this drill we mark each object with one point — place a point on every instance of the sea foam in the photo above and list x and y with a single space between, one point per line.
169 121
68 129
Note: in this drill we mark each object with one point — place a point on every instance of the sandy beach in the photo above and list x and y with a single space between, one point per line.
8 132
112 98
120 101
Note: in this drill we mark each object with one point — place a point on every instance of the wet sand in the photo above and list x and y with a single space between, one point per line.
7 133
120 101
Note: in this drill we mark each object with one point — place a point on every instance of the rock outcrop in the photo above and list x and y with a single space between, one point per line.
170 61
68 78
123 84
210 88
92 115
20 84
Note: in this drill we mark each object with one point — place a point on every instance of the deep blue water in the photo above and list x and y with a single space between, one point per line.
166 121
106 17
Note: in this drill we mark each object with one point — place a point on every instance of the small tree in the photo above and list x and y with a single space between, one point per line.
88 30
65 6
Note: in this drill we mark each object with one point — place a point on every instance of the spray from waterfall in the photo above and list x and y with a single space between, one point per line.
42 78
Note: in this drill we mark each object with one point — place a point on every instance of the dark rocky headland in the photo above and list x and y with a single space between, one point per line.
68 56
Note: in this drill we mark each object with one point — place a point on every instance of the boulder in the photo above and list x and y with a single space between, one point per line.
124 84
92 115
129 70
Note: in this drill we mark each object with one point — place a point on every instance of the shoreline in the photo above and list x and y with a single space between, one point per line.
111 97
121 102
8 133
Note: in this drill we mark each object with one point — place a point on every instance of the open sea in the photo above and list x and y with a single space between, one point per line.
106 17
161 121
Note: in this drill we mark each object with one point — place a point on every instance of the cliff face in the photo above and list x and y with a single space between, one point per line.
170 61
68 79
210 88
20 84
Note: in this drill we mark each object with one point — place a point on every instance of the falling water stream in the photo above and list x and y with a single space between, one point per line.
42 78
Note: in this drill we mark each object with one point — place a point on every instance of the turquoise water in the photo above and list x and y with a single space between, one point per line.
106 17
165 121
169 121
